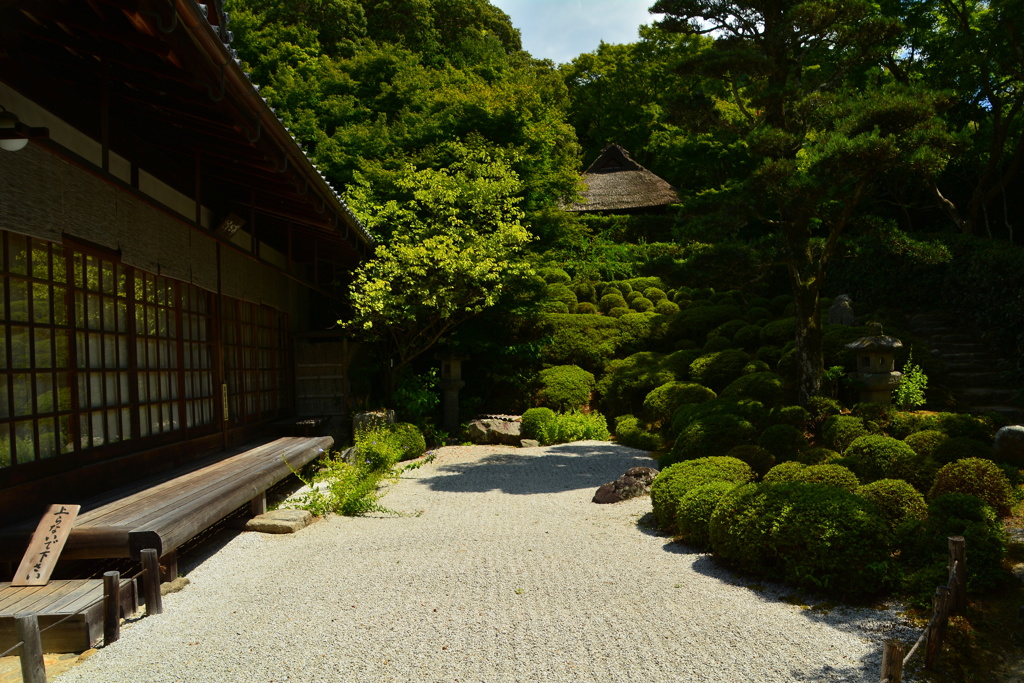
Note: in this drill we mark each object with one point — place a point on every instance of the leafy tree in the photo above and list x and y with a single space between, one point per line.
821 123
454 249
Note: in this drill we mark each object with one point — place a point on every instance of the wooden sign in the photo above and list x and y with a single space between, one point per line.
46 545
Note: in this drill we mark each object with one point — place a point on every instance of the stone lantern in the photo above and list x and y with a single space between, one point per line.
451 382
876 366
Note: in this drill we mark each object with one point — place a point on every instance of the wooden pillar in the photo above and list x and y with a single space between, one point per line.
169 566
151 582
958 555
940 607
258 505
33 668
105 115
892 661
111 607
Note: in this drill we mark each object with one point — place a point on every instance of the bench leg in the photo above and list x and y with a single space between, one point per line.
258 505
169 566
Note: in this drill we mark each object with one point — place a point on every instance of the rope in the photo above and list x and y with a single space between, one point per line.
12 649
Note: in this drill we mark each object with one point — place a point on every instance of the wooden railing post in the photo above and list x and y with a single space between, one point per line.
111 607
151 581
33 668
958 558
937 630
892 661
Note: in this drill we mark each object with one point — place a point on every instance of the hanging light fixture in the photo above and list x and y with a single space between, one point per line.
14 134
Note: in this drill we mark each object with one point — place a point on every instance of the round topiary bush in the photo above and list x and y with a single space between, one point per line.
666 307
924 443
693 512
758 458
642 304
779 332
765 387
538 423
814 536
654 294
559 292
817 455
410 438
796 416
711 435
556 307
879 414
755 314
629 431
553 275
728 329
977 477
783 441
673 482
662 402
756 366
830 475
714 344
822 407
966 426
716 370
896 500
627 381
586 308
610 301
619 311
747 337
585 292
958 448
633 296
839 431
876 457
565 387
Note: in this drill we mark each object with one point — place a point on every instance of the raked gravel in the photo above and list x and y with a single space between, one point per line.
502 570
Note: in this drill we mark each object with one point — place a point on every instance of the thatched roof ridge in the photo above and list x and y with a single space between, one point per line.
616 182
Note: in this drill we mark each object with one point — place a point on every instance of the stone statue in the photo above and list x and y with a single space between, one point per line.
841 312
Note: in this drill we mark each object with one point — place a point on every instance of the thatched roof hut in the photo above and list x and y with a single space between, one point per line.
615 183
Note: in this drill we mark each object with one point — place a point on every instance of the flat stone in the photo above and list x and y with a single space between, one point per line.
280 521
174 586
529 443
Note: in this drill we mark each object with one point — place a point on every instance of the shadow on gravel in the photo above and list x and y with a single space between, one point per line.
557 468
866 622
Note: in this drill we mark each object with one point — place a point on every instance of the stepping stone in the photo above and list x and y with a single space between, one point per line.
280 521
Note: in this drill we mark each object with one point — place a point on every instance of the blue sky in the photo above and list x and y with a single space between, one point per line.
562 29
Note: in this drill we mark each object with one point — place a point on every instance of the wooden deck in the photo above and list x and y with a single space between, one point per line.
165 511
82 599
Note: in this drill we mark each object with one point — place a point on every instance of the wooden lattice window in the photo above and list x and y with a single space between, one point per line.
256 364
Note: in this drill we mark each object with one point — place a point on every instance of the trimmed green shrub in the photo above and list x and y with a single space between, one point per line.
654 294
924 443
673 482
586 308
556 307
831 475
769 354
822 407
755 314
565 387
627 382
896 500
788 471
714 344
958 448
747 337
662 402
630 432
903 424
644 283
410 439
678 362
696 322
633 296
839 431
765 387
878 413
779 332
693 512
688 413
756 366
876 457
538 423
965 425
380 449
781 302
585 292
666 307
817 455
588 341
783 441
728 329
619 311
637 332
924 543
713 435
577 426
610 301
560 292
716 370
553 275
796 416
977 477
814 536
758 458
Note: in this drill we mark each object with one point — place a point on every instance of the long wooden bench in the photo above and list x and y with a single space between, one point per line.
164 512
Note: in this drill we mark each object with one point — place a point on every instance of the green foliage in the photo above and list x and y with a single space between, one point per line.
716 370
538 424
817 455
628 381
666 307
783 441
714 344
610 301
760 460
585 340
839 431
619 311
380 448
964 425
779 332
926 442
958 448
409 438
586 308
693 512
577 426
976 477
796 416
765 387
641 304
630 432
877 414
876 457
910 392
694 323
565 387
904 424
662 402
417 396
825 473
747 337
896 500
560 293
673 482
711 435
818 537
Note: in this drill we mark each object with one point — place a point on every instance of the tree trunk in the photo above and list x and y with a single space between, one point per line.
810 362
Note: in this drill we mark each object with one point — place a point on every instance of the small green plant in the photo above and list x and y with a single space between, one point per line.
417 396
910 392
